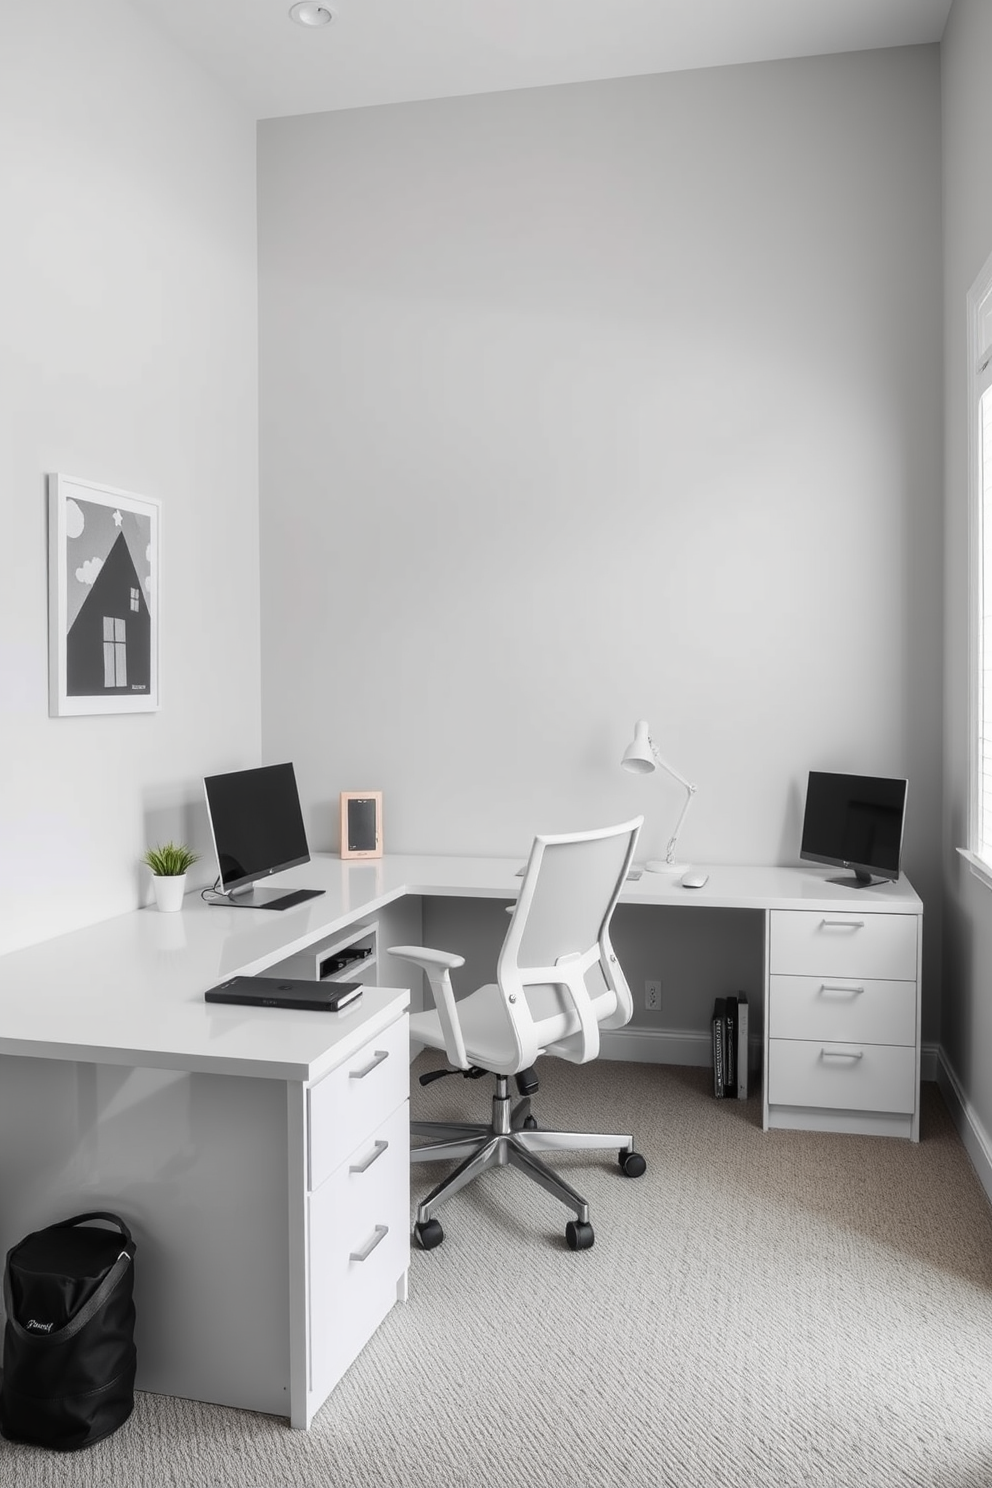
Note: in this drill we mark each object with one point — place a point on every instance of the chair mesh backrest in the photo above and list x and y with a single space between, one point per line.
559 977
574 894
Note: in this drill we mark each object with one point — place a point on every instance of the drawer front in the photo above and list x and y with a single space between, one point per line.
815 943
842 1077
842 1010
353 1099
359 1247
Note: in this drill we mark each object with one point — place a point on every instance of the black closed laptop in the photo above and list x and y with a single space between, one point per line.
285 992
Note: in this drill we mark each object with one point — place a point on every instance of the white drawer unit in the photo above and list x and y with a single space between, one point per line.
358 1201
842 1021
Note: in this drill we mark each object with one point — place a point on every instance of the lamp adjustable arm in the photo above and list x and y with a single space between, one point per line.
690 791
670 850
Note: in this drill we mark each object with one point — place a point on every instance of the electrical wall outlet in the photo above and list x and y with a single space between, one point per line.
652 996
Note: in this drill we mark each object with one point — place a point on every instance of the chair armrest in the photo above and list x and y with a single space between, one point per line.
428 958
439 965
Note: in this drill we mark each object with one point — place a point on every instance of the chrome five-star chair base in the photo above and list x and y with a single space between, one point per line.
512 1139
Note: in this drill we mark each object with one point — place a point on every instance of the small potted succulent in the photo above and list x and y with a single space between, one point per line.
169 864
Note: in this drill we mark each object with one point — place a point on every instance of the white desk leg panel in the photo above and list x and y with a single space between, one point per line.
196 1165
301 1407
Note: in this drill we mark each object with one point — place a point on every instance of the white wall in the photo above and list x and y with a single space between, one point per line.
599 402
128 355
966 1018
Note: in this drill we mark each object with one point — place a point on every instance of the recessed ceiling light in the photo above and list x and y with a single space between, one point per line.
306 14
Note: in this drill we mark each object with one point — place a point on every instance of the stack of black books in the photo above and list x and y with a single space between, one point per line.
730 1047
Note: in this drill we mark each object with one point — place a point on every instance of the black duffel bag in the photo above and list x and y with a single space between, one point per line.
68 1343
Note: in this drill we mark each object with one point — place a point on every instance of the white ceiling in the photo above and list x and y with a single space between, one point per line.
391 51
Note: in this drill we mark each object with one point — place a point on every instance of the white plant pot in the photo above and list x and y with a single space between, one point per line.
169 890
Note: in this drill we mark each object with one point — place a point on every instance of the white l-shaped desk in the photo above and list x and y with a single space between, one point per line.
260 1156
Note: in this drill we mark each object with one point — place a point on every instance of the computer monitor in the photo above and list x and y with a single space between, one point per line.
854 821
257 827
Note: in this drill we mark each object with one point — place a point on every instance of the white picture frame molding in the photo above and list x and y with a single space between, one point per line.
104 599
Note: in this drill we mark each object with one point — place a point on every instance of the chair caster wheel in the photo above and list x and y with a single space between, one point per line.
529 1124
632 1164
429 1234
579 1235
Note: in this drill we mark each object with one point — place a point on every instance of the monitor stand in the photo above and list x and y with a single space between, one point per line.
252 897
858 880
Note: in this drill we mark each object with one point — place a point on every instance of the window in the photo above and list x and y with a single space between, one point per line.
134 599
114 652
980 487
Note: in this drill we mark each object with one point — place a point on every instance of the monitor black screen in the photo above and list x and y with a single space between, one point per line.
854 821
257 824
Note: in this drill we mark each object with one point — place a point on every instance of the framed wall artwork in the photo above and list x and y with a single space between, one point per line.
361 824
103 599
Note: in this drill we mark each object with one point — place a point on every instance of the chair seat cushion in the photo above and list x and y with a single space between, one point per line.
486 1029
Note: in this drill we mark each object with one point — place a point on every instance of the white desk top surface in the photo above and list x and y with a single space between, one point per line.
130 990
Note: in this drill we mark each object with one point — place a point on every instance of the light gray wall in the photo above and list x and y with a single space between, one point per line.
966 1021
609 401
128 355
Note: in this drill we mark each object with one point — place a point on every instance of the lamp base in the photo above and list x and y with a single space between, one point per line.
661 865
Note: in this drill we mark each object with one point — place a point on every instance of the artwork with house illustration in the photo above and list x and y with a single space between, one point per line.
103 599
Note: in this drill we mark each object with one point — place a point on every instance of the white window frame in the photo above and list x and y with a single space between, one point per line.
114 651
979 309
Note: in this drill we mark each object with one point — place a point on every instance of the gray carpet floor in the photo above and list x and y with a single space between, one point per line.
760 1310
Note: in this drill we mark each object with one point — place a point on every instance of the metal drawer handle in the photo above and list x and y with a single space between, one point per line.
842 924
830 987
842 1054
373 1156
381 1231
380 1055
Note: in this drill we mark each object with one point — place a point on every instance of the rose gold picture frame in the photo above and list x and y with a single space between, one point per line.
361 824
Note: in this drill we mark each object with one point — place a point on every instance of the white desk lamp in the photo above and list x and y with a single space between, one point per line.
642 758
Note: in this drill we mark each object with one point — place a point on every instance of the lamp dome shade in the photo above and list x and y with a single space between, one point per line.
638 757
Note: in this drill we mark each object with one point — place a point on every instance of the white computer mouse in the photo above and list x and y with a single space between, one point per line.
694 879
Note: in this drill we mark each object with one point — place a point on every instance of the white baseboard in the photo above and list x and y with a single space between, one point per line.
976 1139
929 1059
656 1046
644 1046
647 1046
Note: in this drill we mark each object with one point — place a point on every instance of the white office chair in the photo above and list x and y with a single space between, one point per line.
558 982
